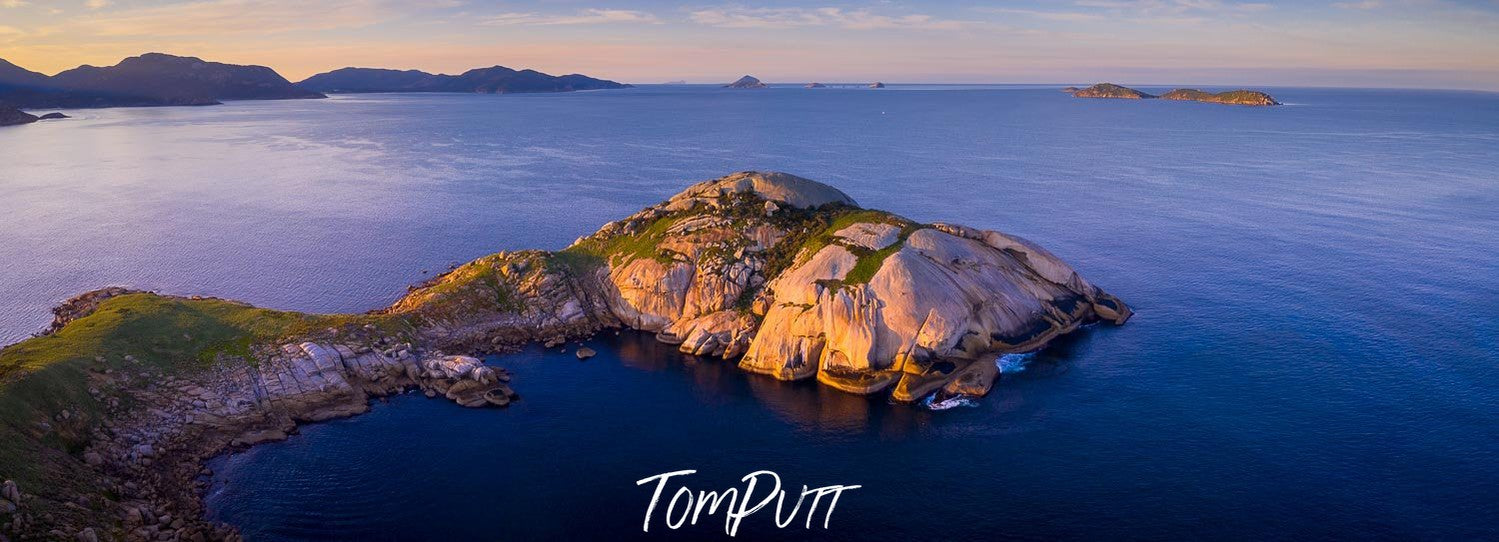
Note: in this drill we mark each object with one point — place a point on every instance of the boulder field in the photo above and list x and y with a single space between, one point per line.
107 417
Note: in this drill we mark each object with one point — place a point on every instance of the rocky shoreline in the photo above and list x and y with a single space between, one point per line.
786 275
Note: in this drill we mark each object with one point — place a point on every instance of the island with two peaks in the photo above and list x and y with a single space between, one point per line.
107 417
1233 97
152 79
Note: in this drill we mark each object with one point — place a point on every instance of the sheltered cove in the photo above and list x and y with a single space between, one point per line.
109 415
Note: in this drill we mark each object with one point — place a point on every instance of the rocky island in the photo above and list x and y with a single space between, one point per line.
492 80
1233 97
107 416
10 116
152 79
746 82
1110 90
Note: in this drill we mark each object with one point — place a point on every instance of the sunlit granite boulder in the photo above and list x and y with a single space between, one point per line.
787 276
795 280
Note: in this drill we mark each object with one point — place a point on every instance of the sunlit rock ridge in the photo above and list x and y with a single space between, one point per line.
786 275
114 408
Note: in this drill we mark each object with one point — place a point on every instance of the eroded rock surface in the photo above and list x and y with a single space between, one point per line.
787 276
794 280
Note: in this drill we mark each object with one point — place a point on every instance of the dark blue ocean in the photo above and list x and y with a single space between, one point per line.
1315 353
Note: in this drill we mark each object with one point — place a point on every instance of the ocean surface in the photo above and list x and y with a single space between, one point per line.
1315 353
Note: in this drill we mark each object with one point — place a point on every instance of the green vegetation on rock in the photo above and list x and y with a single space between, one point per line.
45 376
1235 97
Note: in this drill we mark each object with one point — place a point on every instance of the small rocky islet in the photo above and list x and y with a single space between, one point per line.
746 82
1232 97
107 417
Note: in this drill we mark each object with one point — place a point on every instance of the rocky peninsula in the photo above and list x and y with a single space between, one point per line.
1232 97
107 416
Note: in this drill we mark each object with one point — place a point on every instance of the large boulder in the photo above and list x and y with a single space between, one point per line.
792 278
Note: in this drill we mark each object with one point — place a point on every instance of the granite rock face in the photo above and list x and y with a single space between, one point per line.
793 279
787 276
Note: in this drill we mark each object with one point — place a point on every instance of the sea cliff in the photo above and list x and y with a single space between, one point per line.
108 415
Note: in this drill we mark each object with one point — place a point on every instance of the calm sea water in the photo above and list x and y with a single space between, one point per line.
1314 354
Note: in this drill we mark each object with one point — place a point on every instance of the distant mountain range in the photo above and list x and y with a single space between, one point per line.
146 80
493 80
155 79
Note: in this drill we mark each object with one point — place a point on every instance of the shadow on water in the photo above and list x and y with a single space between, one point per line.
805 404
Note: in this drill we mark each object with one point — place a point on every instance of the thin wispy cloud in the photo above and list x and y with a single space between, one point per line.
951 40
1046 15
1175 6
858 19
587 16
232 17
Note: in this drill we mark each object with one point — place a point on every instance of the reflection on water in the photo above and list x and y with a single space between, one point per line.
1312 357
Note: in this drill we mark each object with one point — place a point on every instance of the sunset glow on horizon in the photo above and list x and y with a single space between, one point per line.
1369 43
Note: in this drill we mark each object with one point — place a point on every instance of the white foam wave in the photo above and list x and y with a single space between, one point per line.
1014 363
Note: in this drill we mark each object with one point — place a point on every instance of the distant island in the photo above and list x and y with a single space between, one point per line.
156 79
876 84
1110 90
1233 97
816 85
491 80
1236 97
152 79
10 116
677 82
746 82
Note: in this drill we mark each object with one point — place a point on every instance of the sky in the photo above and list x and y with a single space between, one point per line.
1363 43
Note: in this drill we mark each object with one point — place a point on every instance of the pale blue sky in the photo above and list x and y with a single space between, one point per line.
1384 43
